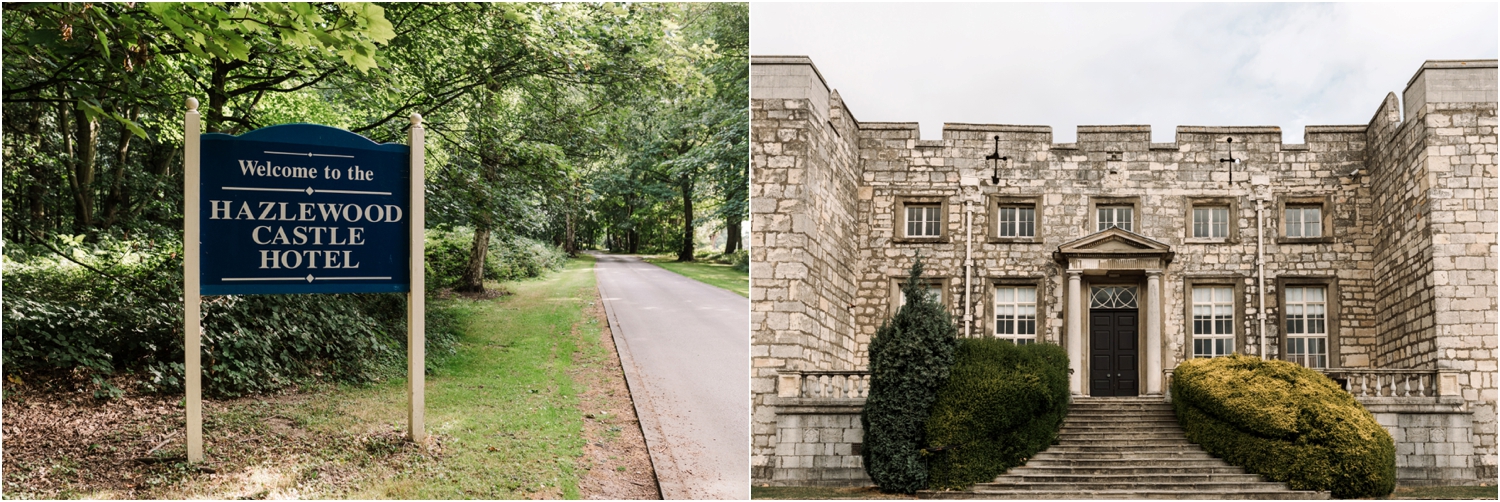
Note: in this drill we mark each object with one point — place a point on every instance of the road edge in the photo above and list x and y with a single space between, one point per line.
668 481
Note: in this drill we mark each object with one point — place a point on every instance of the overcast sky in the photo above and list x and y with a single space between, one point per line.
1064 65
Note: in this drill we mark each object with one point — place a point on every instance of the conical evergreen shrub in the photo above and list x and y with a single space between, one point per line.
910 357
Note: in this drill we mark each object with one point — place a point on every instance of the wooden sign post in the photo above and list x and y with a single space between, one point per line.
301 208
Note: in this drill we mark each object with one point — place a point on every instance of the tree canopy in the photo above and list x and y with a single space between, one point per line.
618 125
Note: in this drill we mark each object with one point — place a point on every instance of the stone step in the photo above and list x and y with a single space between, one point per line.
1000 493
1152 433
1150 478
1128 456
1117 417
1116 414
1094 447
1199 468
1145 442
1125 463
1190 486
1103 429
1176 466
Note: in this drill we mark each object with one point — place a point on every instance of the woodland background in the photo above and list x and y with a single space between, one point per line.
551 128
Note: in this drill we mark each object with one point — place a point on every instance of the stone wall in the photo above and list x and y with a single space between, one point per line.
1434 440
1120 164
1408 250
1457 111
802 212
818 443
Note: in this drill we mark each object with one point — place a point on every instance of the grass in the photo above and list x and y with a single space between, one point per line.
503 413
1446 492
822 493
710 273
505 407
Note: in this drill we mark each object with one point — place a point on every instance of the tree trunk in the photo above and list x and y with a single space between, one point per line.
473 279
84 160
731 236
685 253
570 244
633 241
117 200
36 192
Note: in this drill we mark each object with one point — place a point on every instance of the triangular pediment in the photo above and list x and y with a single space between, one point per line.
1117 240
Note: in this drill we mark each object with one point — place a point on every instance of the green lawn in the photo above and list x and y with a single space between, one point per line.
503 412
707 272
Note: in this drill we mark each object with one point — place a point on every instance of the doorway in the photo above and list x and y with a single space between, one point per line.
1113 352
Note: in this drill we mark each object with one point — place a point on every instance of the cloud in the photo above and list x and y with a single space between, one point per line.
1166 65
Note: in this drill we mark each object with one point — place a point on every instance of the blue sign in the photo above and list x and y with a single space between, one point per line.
303 208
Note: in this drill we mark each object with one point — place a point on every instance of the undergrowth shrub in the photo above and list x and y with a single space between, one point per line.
1285 422
125 315
910 357
513 257
1001 405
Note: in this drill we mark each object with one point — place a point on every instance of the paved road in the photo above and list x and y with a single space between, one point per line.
685 347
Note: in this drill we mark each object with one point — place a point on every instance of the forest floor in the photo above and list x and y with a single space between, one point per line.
707 272
532 405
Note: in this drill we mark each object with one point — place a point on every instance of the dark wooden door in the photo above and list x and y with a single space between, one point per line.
1113 353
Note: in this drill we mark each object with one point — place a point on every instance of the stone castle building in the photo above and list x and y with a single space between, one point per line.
1368 252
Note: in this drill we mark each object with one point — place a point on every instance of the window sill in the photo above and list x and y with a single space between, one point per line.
1304 240
1013 240
920 240
1204 240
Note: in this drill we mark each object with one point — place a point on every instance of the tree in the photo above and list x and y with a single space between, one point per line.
131 64
910 357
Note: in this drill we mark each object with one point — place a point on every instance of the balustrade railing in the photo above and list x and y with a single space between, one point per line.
1387 382
825 384
1369 382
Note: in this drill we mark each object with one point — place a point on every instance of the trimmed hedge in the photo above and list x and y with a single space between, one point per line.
1001 405
910 356
1285 422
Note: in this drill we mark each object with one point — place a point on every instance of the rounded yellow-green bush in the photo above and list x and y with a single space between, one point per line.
1285 422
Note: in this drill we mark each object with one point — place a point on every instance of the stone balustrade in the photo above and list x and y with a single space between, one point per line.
1368 383
824 384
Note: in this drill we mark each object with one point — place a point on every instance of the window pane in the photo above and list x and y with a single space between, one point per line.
1312 221
1200 222
1027 295
1123 219
1293 222
1027 223
1220 222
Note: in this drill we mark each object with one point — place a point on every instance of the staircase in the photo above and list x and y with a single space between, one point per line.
1125 448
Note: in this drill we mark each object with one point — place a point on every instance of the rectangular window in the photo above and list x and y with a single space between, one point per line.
922 221
1017 222
1213 321
1306 326
1304 221
1115 217
1015 314
1211 222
